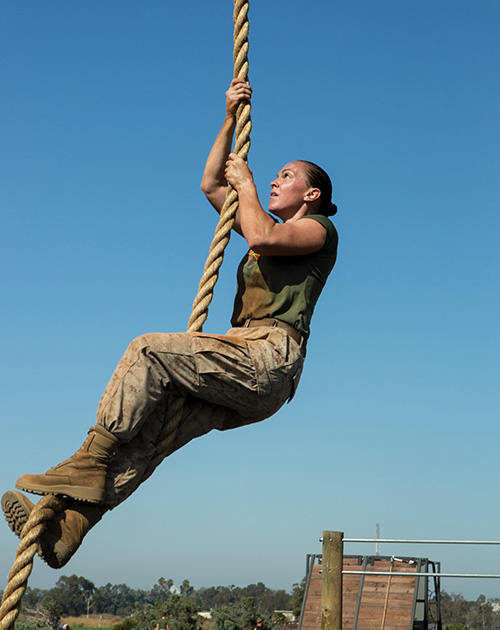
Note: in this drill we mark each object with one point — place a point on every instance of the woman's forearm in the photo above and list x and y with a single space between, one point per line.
213 176
255 224
214 182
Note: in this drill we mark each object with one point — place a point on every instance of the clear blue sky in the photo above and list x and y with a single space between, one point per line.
108 110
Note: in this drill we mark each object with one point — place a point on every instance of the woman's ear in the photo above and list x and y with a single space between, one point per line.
312 194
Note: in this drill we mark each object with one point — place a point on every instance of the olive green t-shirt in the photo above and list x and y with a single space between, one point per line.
285 287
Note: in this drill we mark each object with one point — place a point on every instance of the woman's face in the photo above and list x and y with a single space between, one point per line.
288 190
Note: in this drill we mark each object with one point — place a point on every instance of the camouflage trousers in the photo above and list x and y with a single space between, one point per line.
227 381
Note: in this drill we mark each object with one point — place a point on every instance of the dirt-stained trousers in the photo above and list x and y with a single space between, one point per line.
227 381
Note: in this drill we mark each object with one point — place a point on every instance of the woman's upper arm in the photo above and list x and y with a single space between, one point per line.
295 238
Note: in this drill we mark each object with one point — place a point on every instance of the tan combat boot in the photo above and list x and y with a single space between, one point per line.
82 476
63 534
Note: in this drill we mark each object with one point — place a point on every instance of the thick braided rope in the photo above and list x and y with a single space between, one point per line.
47 506
242 146
23 563
223 230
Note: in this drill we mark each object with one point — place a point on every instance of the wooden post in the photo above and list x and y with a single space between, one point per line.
331 581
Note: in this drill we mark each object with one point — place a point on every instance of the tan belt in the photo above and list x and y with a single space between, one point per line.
270 321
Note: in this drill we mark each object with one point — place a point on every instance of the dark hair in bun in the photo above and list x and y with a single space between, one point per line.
318 178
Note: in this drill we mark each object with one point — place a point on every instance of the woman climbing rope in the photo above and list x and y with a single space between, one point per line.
227 380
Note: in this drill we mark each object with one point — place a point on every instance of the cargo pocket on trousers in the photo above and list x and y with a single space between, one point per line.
227 374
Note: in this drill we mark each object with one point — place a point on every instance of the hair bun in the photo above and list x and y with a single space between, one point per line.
334 210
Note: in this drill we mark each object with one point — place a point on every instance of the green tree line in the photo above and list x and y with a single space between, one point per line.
233 607
460 614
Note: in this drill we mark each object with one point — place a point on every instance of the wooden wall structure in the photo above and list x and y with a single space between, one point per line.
375 602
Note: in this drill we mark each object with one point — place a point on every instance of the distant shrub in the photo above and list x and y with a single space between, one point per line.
126 624
28 625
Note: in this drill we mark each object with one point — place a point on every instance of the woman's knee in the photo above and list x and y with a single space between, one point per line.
147 340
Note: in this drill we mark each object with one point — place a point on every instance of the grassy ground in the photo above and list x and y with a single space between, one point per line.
91 622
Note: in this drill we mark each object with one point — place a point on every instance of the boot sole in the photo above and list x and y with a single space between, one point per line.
16 509
91 495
